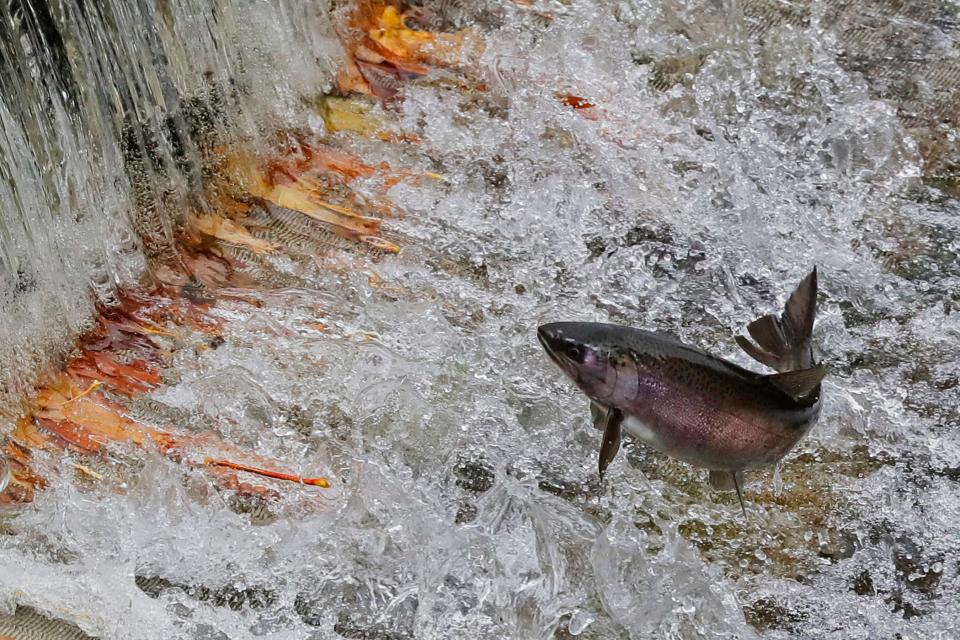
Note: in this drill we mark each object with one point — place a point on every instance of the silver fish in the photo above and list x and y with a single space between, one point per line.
694 406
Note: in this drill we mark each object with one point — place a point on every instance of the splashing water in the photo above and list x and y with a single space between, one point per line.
714 167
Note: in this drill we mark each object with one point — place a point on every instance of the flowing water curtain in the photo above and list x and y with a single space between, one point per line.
63 222
107 110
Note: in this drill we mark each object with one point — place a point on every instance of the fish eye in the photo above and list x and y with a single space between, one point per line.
574 353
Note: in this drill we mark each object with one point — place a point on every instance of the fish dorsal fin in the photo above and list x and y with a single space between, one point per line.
766 331
758 354
784 343
798 384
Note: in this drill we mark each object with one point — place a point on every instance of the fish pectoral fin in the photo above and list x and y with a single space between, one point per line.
598 415
611 421
798 384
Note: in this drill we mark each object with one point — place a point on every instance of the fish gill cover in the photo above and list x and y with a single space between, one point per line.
273 271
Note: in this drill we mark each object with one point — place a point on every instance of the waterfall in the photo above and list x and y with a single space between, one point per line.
103 108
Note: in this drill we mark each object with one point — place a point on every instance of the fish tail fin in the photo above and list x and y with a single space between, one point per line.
784 343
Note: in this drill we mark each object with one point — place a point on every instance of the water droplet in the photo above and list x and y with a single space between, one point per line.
579 621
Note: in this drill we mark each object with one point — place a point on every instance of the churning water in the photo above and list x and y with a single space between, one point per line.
719 163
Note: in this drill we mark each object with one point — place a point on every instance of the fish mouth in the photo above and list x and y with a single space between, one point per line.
545 343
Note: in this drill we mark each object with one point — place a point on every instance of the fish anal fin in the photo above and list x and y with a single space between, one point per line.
722 480
798 384
738 485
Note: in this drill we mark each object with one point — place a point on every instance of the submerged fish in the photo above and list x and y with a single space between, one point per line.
4 473
693 406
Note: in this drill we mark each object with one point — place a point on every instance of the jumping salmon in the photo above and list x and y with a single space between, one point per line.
694 406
